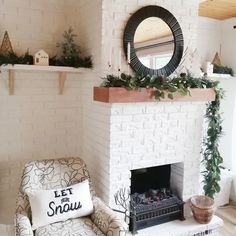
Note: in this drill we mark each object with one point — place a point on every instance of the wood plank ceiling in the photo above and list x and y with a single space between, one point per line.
218 9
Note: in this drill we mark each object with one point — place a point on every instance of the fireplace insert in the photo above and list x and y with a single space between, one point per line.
152 201
154 207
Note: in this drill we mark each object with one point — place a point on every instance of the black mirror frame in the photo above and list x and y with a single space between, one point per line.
129 32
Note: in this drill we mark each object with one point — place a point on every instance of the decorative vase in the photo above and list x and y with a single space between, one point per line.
203 208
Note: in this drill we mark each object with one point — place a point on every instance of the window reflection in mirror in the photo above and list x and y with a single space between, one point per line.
154 43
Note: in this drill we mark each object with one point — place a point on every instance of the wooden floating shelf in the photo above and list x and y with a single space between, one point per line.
122 95
42 68
61 70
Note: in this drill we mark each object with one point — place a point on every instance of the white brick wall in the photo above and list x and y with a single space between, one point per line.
116 13
127 120
75 125
165 140
140 135
33 25
85 16
36 123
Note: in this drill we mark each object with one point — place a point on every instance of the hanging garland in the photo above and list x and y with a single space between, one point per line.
211 156
183 84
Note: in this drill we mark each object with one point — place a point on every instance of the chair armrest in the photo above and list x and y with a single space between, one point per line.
107 220
22 225
22 216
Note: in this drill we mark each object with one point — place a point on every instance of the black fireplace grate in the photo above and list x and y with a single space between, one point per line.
148 210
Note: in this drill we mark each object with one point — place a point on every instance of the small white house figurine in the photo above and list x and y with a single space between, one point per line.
41 58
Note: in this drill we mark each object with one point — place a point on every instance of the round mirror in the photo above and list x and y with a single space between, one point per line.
153 41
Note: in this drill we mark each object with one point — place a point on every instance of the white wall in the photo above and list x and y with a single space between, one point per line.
85 16
33 24
227 141
228 43
233 191
36 122
217 36
209 38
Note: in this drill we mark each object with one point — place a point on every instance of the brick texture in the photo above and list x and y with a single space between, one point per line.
138 135
37 123
165 140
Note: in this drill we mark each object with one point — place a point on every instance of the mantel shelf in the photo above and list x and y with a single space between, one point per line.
61 70
121 95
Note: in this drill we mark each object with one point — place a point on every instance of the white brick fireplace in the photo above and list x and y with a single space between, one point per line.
144 135
139 135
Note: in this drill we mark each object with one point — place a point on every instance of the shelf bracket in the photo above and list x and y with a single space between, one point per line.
62 79
11 81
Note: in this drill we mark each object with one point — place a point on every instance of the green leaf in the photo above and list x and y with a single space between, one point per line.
162 94
172 89
170 96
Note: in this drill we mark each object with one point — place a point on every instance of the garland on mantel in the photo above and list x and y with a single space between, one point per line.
183 84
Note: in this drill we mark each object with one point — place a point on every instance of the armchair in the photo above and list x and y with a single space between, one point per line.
58 173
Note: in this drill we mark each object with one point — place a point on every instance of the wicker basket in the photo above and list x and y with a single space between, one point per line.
202 208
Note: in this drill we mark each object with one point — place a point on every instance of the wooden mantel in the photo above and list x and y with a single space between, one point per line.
122 95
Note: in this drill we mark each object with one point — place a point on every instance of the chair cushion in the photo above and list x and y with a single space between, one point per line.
55 205
75 227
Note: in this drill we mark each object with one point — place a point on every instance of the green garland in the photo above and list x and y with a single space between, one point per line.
69 55
69 52
211 155
28 59
223 70
12 58
183 85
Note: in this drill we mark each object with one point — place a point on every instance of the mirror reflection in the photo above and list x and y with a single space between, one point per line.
154 43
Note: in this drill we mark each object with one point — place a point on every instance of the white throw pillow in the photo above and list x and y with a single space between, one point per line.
49 206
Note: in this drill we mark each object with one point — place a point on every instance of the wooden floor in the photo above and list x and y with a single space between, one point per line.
228 214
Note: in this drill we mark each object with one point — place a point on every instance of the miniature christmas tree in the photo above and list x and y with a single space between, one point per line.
69 54
216 61
68 47
6 47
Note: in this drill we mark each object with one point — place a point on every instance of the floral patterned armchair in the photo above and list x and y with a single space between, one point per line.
52 174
